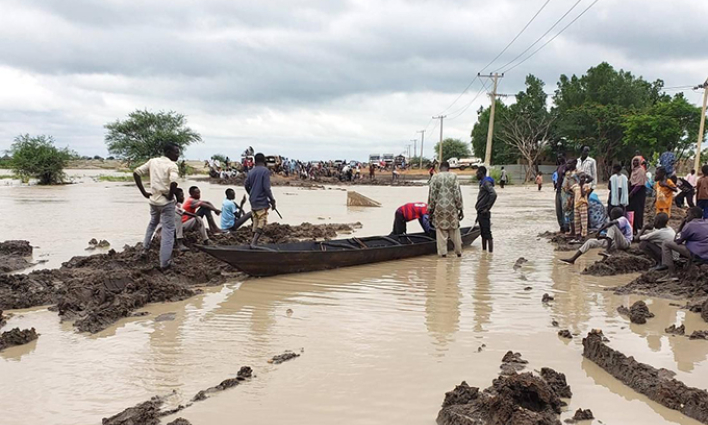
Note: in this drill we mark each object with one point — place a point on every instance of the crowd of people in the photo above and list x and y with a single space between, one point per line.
580 212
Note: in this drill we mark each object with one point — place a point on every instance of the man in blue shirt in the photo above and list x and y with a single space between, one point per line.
691 242
232 215
261 198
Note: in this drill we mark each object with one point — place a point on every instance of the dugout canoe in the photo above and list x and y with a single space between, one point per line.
274 259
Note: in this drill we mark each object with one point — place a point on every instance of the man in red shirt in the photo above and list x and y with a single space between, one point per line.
195 206
409 212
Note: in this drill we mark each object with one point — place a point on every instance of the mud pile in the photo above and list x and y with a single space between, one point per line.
638 313
557 381
149 412
512 363
561 240
3 319
657 384
621 262
16 336
519 399
12 256
280 358
581 415
692 283
98 290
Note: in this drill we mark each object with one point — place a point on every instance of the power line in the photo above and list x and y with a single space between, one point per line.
554 37
540 38
498 56
464 109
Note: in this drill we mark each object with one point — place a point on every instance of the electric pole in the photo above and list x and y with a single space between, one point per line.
415 147
422 139
441 118
697 164
490 131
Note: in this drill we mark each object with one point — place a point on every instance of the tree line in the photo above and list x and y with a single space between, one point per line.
613 112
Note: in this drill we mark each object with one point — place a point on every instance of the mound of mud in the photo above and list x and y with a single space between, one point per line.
98 290
16 336
180 421
692 283
244 373
280 358
3 319
557 381
581 415
519 399
657 384
621 262
638 313
12 255
561 240
512 363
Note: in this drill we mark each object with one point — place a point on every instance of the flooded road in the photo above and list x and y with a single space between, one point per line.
382 343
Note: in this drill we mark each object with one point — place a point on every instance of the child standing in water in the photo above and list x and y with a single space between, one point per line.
665 190
539 180
580 191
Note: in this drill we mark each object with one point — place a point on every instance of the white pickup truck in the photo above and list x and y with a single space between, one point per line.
464 163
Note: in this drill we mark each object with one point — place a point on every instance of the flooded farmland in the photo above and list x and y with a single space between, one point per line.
379 344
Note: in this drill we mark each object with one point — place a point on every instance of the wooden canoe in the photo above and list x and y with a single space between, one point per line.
274 259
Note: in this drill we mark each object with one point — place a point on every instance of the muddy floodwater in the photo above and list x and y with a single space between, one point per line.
381 343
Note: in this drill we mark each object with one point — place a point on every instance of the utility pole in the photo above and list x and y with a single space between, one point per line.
441 118
422 139
415 147
697 164
490 131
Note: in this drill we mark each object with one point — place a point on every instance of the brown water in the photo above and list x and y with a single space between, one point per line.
382 343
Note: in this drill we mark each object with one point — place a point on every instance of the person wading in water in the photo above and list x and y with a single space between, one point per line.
261 198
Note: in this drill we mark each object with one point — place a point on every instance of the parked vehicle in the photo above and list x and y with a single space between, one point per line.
375 158
388 158
464 163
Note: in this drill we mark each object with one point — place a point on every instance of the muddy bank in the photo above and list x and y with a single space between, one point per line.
621 262
519 399
16 336
13 256
638 313
98 290
692 283
561 241
657 384
150 412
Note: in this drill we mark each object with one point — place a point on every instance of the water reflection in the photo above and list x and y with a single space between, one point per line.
481 294
442 300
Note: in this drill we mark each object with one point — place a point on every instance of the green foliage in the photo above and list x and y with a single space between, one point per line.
105 178
37 157
219 157
143 134
453 148
501 152
496 175
185 169
668 125
592 109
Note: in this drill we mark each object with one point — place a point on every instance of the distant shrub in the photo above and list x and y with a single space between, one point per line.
37 157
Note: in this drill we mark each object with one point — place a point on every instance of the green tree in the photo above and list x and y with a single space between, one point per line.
526 126
591 110
143 134
669 125
453 148
37 157
501 152
219 157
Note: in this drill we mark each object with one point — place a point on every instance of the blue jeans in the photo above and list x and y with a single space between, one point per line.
164 214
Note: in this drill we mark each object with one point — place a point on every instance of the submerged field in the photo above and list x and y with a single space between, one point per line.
379 344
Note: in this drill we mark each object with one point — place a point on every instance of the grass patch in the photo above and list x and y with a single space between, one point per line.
104 178
8 177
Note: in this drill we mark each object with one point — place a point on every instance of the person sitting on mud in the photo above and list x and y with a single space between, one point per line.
261 197
194 205
232 215
619 236
650 243
409 212
664 189
691 242
192 223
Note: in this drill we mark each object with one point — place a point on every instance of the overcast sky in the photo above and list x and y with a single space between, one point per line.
311 79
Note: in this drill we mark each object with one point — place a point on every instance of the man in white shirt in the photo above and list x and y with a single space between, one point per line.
650 243
163 185
588 166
